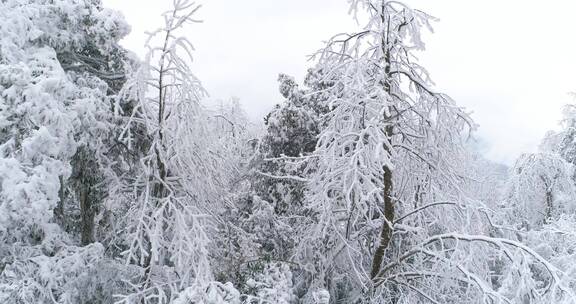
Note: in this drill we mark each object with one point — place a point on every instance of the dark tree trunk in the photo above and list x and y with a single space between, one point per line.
549 207
87 214
386 232
85 178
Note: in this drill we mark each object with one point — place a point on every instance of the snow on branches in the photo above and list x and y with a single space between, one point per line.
168 220
389 178
117 185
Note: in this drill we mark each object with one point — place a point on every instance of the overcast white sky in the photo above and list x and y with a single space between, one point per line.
512 63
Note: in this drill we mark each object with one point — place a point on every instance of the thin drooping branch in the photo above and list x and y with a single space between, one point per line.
419 209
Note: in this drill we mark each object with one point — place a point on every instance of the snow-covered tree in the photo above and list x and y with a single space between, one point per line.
175 190
291 131
60 69
384 118
389 218
51 108
230 120
258 229
539 190
564 141
118 186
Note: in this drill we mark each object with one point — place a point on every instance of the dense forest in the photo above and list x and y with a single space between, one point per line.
119 184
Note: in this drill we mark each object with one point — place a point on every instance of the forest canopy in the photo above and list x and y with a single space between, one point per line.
120 184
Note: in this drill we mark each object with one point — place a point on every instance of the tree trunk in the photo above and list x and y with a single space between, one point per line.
87 214
386 232
85 176
549 207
